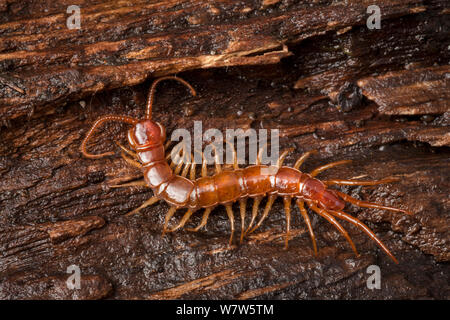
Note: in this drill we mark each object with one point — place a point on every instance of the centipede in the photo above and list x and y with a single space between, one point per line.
170 183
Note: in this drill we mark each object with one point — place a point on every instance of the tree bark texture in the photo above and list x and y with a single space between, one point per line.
311 69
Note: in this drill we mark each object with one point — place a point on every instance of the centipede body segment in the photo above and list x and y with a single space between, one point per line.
170 183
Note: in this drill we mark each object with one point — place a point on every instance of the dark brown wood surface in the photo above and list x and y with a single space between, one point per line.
312 70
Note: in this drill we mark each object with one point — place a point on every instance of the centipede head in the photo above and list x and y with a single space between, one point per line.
146 133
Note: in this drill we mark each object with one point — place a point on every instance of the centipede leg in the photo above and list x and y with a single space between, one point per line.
203 222
269 204
360 183
365 204
131 161
233 150
192 172
183 160
259 157
282 157
175 161
270 199
256 202
185 171
187 166
303 158
183 220
231 217
363 227
243 208
169 215
174 151
304 213
287 211
320 169
193 165
174 155
141 183
180 160
216 159
178 168
131 153
323 213
147 203
204 171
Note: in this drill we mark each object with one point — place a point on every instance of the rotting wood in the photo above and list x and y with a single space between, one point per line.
58 209
411 92
117 46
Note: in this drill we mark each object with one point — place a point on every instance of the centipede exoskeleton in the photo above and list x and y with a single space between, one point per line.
169 183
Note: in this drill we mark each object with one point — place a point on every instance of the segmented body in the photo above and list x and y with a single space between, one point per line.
147 139
229 186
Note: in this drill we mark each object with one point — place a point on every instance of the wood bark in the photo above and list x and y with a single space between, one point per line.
312 70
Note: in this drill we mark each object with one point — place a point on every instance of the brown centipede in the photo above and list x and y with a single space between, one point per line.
225 187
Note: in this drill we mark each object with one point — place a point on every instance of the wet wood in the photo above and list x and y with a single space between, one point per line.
275 65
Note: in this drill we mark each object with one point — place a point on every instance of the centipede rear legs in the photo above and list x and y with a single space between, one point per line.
326 213
329 214
350 199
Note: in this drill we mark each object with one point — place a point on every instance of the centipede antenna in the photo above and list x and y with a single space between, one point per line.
151 94
97 123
